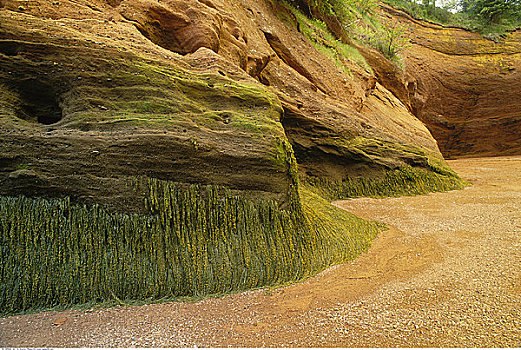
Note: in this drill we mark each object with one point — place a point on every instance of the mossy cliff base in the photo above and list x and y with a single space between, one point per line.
193 242
212 102
405 181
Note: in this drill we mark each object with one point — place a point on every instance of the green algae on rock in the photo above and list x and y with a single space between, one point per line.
87 103
193 241
404 181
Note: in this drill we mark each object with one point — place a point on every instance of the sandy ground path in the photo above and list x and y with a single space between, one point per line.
446 273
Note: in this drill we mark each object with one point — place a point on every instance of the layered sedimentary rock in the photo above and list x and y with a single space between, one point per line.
189 91
82 116
175 128
464 87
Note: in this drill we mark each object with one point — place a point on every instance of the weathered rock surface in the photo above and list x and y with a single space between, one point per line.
85 116
464 87
96 92
337 122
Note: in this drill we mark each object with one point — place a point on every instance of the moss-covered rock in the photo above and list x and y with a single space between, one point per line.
85 117
192 241
217 107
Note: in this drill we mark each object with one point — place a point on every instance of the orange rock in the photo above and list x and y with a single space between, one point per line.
60 321
465 88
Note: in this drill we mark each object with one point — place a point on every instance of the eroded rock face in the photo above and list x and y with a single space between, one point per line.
82 117
465 88
97 92
331 116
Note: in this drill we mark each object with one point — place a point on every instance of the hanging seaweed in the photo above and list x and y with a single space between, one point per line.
194 241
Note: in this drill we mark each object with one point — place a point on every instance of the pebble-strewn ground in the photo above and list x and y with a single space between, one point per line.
447 273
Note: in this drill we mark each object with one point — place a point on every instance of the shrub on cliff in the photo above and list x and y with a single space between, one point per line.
488 17
492 11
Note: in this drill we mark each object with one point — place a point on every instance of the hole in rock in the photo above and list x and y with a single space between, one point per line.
9 48
9 164
38 102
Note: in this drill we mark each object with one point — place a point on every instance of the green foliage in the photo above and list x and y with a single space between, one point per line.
492 11
405 181
339 53
388 37
366 6
491 18
344 10
193 242
335 8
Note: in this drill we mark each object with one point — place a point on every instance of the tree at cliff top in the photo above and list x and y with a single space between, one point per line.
342 9
492 11
484 16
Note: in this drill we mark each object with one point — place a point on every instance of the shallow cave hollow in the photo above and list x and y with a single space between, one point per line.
39 101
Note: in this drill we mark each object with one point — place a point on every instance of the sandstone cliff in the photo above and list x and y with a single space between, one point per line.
465 88
192 91
90 102
192 138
